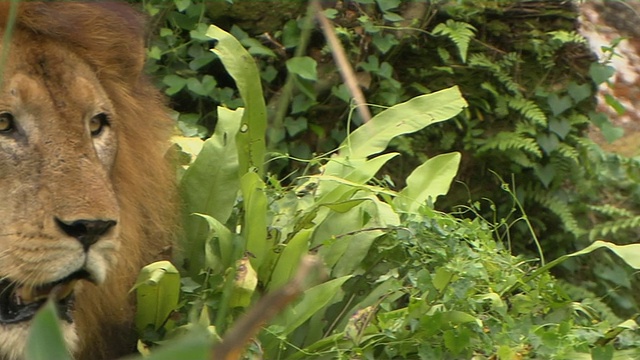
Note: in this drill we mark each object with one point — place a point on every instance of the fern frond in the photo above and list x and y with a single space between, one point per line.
559 208
511 141
568 152
578 119
529 110
610 210
501 74
586 297
564 37
565 166
614 226
526 128
521 159
459 32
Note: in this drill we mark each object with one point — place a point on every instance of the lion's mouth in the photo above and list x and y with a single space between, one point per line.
20 303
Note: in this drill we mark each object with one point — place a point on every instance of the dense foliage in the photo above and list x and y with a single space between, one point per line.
411 273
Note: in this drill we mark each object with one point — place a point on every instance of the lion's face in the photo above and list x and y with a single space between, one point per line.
59 223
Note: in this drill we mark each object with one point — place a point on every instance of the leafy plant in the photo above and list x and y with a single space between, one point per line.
405 280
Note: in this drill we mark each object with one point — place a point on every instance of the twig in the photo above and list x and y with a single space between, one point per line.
235 340
340 57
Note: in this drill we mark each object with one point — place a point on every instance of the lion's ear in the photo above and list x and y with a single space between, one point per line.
108 35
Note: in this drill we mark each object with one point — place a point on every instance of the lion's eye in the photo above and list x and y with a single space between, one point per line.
7 122
98 123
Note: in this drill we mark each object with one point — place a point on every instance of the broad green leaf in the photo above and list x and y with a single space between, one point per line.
408 117
331 225
380 215
45 340
343 206
195 346
428 180
303 66
628 253
244 284
240 65
219 245
356 249
189 145
289 259
157 295
353 171
255 220
210 186
312 301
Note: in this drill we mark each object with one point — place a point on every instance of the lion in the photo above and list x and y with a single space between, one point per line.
87 195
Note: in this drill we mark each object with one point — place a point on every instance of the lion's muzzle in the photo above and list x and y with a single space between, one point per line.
20 303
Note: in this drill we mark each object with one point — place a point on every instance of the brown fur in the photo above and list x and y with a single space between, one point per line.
100 42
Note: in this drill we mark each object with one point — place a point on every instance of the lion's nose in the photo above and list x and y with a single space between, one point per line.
88 232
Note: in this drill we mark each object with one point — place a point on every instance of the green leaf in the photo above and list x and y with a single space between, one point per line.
391 16
442 278
545 173
312 301
255 220
45 340
182 5
219 245
386 5
628 253
210 186
303 66
602 352
295 126
610 132
384 42
240 65
615 104
548 142
353 172
408 117
600 72
195 346
244 284
560 127
290 34
289 259
157 294
579 92
175 83
428 180
559 105
457 340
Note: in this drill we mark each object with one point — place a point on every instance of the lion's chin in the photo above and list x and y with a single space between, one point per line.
19 303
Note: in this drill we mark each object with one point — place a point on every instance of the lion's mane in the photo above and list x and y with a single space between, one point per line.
109 36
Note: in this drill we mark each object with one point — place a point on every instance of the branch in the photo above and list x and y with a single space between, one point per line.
340 57
236 339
